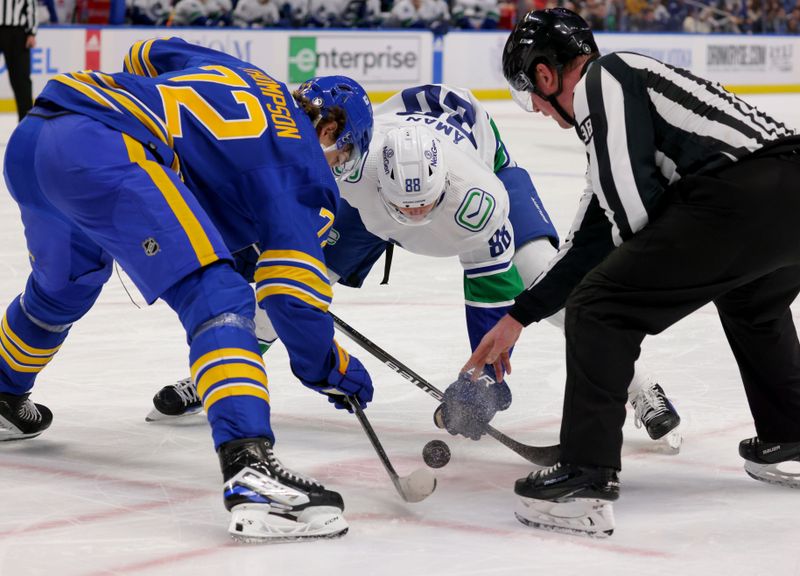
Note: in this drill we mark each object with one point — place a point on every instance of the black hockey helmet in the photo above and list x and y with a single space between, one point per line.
554 36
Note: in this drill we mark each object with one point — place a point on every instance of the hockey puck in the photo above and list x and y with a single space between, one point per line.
436 454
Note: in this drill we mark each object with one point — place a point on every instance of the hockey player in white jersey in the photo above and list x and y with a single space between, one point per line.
439 181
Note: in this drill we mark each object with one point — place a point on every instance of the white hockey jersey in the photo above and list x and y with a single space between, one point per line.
473 221
475 206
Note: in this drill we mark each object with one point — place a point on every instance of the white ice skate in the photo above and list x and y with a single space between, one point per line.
269 503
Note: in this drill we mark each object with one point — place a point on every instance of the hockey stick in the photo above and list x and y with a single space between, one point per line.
412 488
539 455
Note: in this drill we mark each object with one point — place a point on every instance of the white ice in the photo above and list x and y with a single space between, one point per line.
104 493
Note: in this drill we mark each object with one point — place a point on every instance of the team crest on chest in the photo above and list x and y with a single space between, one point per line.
476 210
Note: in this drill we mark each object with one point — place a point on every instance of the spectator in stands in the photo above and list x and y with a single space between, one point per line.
256 14
419 14
325 13
476 14
201 13
294 13
149 12
362 14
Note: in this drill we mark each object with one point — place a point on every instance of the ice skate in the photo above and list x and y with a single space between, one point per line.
20 418
269 503
569 499
655 412
772 462
174 401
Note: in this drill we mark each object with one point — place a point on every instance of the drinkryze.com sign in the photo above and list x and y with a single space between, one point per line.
373 58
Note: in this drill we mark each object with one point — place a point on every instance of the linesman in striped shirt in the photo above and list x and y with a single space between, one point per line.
692 197
17 38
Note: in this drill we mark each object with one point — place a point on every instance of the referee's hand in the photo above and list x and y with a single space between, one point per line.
494 348
30 41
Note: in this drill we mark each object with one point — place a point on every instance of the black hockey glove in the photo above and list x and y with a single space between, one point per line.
467 406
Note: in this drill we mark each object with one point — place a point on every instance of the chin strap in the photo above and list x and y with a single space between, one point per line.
552 98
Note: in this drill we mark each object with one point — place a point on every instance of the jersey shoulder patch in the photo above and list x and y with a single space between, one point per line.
476 210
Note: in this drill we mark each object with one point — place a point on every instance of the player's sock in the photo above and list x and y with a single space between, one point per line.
181 398
269 503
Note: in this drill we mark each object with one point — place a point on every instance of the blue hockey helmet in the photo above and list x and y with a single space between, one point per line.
325 92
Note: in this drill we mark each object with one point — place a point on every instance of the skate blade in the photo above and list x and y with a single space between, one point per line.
156 416
9 432
670 443
578 516
781 474
253 524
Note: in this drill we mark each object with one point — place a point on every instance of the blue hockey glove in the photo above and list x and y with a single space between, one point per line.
467 406
348 377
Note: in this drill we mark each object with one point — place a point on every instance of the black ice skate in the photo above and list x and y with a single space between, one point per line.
570 499
767 461
655 412
20 418
175 400
269 503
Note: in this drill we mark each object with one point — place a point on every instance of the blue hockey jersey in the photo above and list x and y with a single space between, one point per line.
247 152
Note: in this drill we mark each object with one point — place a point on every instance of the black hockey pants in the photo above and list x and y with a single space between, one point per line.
732 238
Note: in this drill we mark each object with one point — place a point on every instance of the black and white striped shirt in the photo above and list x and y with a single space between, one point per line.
20 13
645 124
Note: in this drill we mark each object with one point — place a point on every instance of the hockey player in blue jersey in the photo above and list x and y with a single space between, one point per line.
168 168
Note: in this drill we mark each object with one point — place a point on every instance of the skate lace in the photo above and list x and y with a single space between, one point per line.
281 471
28 411
186 391
648 404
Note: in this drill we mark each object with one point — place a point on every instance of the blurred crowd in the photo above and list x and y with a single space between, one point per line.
692 16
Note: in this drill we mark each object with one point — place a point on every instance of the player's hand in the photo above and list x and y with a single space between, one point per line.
494 348
348 377
469 404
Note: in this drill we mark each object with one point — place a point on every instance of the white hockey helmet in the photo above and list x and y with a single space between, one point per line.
412 176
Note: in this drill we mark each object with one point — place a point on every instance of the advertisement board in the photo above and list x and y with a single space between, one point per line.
743 63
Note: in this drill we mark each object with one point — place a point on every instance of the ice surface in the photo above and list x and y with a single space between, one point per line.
104 493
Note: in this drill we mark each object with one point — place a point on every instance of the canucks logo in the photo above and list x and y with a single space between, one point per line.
476 210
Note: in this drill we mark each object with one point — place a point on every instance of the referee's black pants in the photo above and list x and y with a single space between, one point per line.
18 64
733 239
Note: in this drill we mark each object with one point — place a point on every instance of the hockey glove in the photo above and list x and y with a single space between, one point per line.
348 377
467 406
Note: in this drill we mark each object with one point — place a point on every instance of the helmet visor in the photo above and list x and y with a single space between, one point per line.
521 88
416 215
348 157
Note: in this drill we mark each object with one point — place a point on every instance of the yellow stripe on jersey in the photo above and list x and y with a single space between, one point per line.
296 273
272 255
202 246
137 64
138 110
288 290
229 371
344 357
237 389
151 70
86 91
